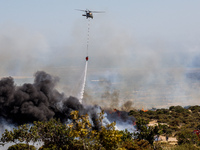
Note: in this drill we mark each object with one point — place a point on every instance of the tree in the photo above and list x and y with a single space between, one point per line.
109 137
23 133
21 146
187 137
178 109
79 134
147 133
53 133
126 135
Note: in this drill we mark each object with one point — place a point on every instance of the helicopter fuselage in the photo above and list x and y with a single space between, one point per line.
88 15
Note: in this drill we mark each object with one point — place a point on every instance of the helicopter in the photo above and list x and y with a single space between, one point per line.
88 13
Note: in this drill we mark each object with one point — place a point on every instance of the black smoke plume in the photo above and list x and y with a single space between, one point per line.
39 101
120 117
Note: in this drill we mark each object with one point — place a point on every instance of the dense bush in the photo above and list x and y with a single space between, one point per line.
175 116
179 121
185 147
187 136
79 134
147 133
194 109
178 109
21 146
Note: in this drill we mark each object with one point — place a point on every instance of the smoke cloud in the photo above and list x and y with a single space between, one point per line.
39 101
148 71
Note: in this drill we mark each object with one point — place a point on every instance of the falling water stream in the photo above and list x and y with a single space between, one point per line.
80 96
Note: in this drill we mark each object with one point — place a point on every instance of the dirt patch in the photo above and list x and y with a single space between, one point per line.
171 140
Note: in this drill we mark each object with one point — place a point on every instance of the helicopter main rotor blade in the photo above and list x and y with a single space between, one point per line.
81 10
97 11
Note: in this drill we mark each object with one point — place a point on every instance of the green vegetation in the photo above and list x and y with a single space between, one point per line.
176 122
147 133
176 117
21 146
78 135
186 147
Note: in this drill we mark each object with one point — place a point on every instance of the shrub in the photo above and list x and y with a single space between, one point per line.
187 137
147 133
162 111
186 147
21 146
194 109
178 109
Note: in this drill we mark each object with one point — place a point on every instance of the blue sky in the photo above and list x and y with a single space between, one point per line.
174 19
